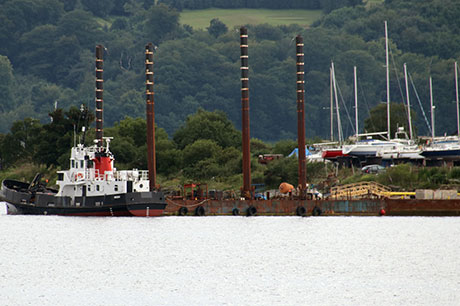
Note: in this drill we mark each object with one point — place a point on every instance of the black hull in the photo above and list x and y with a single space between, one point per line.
108 210
442 154
21 202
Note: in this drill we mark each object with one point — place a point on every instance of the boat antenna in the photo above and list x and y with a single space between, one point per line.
84 116
74 135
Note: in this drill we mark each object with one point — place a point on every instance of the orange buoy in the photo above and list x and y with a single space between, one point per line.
382 212
285 188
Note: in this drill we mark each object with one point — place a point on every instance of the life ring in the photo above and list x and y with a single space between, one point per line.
235 212
300 211
78 176
199 211
251 211
182 211
316 211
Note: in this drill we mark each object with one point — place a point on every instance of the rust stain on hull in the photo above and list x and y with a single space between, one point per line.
287 207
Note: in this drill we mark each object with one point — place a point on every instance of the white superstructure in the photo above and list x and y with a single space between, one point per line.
92 173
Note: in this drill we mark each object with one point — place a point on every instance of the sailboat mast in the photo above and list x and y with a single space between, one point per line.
356 101
388 80
408 102
339 124
456 96
332 104
432 109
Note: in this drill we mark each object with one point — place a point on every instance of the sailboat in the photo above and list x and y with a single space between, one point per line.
401 146
332 153
444 148
409 151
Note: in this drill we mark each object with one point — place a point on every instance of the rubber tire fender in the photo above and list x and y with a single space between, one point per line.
300 211
316 211
235 211
251 211
182 211
199 211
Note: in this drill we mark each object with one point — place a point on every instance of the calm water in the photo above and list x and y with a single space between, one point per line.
46 260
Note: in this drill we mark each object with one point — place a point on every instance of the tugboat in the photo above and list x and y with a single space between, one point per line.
92 186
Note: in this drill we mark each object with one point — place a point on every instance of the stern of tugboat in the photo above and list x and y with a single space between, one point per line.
146 204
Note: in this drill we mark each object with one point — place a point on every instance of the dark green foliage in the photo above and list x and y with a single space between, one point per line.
160 22
406 177
284 147
130 149
54 41
217 27
270 4
99 8
282 170
208 125
20 144
377 121
6 84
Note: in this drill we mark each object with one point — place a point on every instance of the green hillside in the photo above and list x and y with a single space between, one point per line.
199 19
47 60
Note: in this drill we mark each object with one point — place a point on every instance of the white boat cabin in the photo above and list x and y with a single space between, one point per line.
92 173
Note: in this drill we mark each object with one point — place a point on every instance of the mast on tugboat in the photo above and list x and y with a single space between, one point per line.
99 94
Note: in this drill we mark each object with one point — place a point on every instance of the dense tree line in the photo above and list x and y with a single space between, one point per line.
206 147
47 58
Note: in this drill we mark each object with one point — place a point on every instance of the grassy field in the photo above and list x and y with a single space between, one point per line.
199 19
370 3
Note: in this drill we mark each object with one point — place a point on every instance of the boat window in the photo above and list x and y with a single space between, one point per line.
82 163
60 177
72 163
116 188
89 188
97 187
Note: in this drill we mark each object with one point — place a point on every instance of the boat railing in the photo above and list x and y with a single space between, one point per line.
131 175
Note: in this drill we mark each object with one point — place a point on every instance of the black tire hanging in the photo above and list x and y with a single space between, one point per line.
182 211
199 211
301 211
235 212
251 211
316 211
